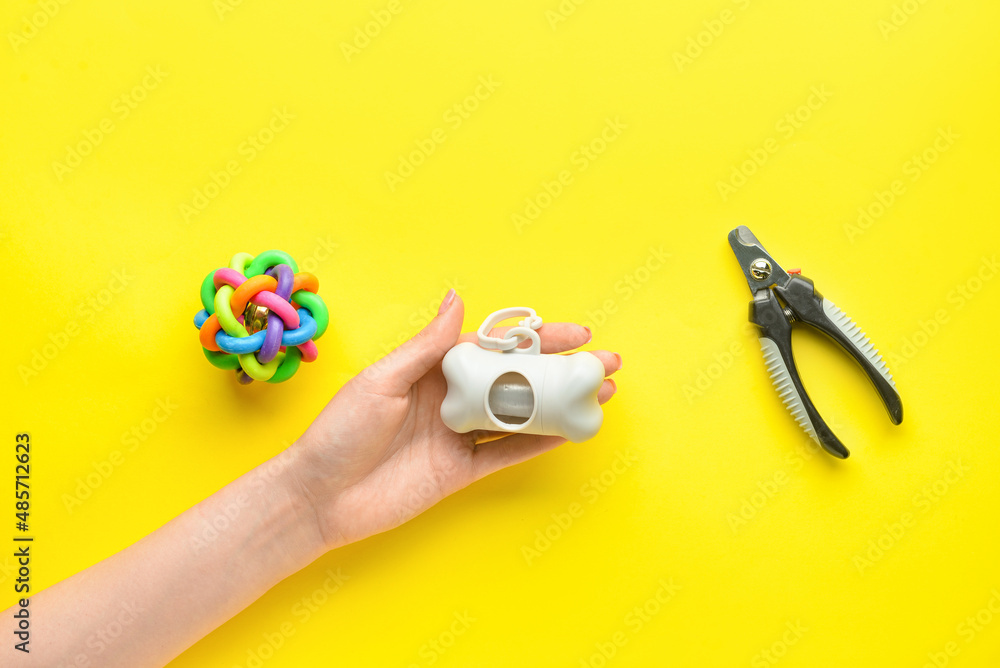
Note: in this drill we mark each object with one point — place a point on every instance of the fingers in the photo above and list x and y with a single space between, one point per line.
608 389
503 452
556 337
611 361
395 373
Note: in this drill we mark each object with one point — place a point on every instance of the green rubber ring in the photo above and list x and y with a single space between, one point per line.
225 314
255 369
222 360
208 292
315 304
269 258
289 365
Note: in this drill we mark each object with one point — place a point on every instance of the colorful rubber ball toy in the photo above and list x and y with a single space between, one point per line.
261 317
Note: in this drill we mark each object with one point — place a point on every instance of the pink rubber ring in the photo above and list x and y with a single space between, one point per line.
308 350
227 276
277 306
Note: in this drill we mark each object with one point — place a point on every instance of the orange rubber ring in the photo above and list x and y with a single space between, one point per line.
249 288
305 281
207 333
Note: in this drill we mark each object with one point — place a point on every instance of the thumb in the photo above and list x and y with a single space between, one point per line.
395 373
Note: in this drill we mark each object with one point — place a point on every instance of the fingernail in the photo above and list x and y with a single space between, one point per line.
446 302
614 385
590 335
619 358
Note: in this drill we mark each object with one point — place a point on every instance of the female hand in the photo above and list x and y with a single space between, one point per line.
378 454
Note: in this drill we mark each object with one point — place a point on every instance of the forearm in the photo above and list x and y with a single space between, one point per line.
149 602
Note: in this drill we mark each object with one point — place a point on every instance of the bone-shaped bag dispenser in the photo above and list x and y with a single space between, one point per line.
497 386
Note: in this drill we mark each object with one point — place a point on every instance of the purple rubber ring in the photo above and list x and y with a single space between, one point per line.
285 280
275 326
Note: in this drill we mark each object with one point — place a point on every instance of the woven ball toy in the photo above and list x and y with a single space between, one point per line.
261 316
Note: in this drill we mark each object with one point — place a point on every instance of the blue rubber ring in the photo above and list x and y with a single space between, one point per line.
240 345
251 344
305 331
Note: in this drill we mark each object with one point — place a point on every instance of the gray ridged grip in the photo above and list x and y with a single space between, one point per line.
858 338
786 389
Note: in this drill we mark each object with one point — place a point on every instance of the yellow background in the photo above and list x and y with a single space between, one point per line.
695 409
